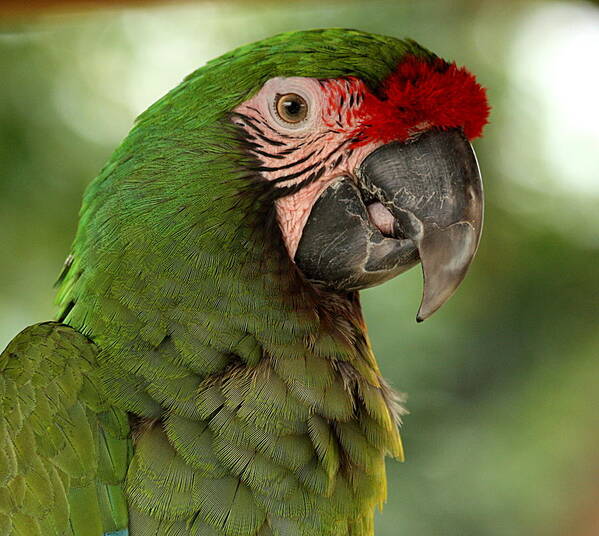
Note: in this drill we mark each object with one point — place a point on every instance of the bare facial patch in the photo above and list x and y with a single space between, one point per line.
303 157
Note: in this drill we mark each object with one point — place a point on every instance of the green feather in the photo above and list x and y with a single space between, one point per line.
52 440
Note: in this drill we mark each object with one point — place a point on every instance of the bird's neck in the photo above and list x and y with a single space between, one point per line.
209 299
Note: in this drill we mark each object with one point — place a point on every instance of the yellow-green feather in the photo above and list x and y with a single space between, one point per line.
65 450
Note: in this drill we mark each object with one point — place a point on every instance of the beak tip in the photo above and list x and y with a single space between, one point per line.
425 312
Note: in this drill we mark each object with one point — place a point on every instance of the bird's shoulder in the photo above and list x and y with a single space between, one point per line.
64 450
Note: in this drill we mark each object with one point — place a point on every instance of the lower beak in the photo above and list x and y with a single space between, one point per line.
432 187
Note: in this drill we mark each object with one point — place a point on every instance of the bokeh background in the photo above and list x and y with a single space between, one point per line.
502 437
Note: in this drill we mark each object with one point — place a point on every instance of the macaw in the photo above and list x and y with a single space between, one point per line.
209 371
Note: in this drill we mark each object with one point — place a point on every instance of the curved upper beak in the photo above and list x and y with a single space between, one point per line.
433 188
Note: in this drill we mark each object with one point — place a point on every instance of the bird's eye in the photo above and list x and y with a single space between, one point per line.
291 108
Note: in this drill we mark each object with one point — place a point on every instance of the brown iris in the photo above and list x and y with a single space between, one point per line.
291 108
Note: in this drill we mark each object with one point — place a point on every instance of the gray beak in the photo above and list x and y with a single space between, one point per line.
433 188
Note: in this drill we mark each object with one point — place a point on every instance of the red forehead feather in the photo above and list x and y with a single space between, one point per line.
423 94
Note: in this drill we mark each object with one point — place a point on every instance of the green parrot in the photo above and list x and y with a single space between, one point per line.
209 372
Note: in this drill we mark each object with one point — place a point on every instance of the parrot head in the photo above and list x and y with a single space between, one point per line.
370 179
344 155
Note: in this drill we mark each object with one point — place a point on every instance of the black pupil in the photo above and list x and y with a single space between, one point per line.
293 107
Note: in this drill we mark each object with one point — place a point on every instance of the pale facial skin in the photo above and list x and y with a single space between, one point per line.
318 148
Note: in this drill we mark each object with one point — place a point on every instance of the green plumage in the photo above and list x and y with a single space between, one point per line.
258 406
64 451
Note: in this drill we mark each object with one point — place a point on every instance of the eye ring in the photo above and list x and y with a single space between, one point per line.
291 108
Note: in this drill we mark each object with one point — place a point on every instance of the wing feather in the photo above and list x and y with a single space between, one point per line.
64 452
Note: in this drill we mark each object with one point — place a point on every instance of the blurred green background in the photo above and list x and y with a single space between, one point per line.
503 383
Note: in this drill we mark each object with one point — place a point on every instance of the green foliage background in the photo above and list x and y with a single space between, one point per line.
503 383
